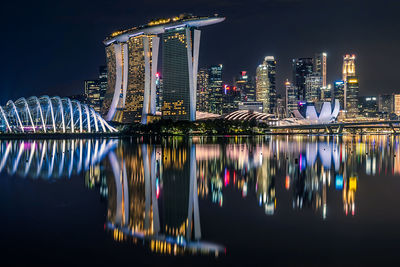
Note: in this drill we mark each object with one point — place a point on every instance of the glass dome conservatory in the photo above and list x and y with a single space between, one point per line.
51 115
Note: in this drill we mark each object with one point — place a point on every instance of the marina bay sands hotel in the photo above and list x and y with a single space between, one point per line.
132 58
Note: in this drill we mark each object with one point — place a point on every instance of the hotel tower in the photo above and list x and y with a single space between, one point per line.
132 61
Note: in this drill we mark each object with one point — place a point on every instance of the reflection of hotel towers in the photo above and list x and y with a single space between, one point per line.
52 158
134 198
349 69
132 57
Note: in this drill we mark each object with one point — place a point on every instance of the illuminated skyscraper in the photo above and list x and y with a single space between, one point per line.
291 98
320 67
92 93
159 90
352 96
132 69
102 83
386 104
265 84
245 85
215 89
313 87
349 69
230 99
338 92
132 57
368 106
180 59
203 93
301 67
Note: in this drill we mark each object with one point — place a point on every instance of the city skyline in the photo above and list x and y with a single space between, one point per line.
55 63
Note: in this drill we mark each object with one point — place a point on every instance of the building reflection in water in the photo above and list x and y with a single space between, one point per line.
153 196
153 190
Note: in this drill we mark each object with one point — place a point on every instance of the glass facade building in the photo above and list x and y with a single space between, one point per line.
301 68
203 94
352 96
265 84
180 54
215 84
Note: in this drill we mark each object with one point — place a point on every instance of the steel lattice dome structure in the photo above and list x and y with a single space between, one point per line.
51 115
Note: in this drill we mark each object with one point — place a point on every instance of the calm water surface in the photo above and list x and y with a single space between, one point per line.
280 200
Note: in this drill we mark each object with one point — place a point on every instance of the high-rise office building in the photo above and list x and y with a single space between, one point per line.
203 93
215 86
245 84
352 96
338 92
301 67
386 104
132 58
291 98
230 99
92 93
368 106
327 94
265 84
159 90
396 104
320 67
102 83
313 87
348 69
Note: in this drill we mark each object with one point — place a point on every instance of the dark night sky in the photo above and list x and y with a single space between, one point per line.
50 47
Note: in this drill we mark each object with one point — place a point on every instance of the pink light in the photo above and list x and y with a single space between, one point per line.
226 178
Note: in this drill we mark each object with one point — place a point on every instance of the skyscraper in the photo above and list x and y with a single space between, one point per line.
301 67
245 85
92 93
291 98
368 106
348 69
215 89
230 99
338 92
320 67
265 84
203 93
132 58
179 77
352 96
313 87
386 104
102 83
131 68
159 90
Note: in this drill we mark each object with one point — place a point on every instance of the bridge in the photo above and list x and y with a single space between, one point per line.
339 127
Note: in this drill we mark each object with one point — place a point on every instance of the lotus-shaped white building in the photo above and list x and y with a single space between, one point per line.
51 115
327 113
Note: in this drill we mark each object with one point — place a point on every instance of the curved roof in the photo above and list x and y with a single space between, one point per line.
51 115
246 115
159 26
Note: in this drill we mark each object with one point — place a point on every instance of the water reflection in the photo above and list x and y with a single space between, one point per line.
52 158
154 190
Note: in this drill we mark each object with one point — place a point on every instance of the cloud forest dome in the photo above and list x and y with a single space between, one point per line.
159 26
46 114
